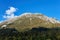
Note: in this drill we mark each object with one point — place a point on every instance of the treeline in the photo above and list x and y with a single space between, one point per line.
33 34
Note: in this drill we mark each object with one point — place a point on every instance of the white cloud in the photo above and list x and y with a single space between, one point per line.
11 10
10 13
9 16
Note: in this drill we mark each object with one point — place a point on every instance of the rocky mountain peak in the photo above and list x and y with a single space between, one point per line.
29 20
41 16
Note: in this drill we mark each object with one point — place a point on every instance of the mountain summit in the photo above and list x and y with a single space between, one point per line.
41 16
28 21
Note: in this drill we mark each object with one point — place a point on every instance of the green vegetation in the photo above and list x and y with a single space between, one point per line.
33 34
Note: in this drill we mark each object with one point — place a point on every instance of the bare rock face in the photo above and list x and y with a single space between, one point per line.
28 21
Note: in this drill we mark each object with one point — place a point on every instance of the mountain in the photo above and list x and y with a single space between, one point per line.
28 21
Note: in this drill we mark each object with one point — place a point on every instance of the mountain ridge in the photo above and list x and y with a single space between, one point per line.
28 21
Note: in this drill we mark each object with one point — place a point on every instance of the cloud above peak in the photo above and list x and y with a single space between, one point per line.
11 10
10 13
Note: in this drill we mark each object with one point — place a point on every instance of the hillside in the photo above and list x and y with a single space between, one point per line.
29 21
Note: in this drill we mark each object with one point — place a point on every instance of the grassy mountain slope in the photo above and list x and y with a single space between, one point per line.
29 21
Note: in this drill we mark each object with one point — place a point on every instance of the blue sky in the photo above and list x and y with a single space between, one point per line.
50 8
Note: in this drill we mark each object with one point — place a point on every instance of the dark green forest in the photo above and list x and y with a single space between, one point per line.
33 34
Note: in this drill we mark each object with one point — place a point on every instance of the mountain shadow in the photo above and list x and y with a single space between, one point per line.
8 32
33 34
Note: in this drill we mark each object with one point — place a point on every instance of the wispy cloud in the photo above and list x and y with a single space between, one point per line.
10 13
